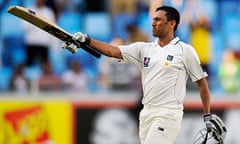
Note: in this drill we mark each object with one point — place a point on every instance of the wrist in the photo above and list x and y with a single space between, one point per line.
88 39
207 114
206 117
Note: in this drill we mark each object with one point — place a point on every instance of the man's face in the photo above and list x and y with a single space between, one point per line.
160 25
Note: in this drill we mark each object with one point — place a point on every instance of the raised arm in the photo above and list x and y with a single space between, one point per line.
80 40
106 48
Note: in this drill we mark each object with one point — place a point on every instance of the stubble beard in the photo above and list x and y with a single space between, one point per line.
155 34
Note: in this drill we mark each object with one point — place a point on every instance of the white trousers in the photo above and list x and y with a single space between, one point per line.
159 125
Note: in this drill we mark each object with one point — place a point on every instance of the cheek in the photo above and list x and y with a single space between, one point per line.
163 27
166 27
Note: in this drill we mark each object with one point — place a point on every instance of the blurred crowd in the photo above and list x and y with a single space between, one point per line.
32 60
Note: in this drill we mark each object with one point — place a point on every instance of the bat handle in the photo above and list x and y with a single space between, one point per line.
90 50
87 48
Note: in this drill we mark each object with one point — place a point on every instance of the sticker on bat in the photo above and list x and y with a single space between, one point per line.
31 12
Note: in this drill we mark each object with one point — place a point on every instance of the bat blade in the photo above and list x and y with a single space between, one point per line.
46 25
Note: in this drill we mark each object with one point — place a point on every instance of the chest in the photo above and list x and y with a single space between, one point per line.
168 59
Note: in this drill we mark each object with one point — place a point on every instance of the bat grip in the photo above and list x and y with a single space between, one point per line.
90 50
87 48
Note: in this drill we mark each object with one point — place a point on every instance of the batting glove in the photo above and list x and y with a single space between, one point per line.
79 39
215 124
84 39
70 47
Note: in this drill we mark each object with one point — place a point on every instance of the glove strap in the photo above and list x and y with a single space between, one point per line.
81 44
207 117
88 39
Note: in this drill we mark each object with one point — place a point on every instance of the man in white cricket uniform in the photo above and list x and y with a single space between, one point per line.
164 74
164 66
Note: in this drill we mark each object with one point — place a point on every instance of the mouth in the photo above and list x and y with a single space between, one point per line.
153 30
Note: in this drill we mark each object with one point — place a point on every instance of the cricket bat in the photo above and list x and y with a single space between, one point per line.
46 25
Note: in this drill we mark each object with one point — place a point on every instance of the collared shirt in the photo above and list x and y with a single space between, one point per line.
164 70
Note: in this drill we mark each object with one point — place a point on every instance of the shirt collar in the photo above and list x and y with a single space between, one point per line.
173 41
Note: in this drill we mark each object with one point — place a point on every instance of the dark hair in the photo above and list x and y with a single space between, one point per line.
171 14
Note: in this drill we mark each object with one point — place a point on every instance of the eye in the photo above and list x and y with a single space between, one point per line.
156 19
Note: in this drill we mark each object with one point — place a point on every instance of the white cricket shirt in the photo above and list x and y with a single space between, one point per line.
164 70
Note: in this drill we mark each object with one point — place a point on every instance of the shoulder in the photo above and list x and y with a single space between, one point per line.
186 47
188 51
136 45
141 44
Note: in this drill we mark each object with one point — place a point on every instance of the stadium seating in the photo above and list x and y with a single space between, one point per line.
120 21
71 21
98 25
5 75
13 52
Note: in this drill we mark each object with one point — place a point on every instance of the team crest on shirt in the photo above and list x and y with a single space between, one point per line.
146 61
167 61
169 57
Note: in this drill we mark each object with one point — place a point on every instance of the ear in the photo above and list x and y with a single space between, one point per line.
172 23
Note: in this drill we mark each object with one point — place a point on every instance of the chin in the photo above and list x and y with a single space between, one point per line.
155 35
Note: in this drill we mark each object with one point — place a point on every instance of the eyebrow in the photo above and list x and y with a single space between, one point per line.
156 17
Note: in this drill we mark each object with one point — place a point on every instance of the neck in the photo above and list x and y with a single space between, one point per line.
162 41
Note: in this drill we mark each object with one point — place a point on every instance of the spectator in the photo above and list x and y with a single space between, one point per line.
19 83
229 72
75 79
135 34
201 41
48 80
37 41
104 67
113 76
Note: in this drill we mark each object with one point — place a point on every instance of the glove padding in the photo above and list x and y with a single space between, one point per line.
215 125
84 39
79 39
70 47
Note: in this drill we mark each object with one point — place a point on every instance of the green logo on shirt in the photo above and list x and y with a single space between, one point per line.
169 57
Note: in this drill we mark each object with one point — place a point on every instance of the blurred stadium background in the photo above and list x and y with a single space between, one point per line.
104 105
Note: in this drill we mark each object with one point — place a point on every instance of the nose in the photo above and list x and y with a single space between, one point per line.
153 24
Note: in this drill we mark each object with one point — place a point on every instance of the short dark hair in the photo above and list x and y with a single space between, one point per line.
171 14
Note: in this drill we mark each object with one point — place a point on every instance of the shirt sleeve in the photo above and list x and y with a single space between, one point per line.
132 53
192 64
